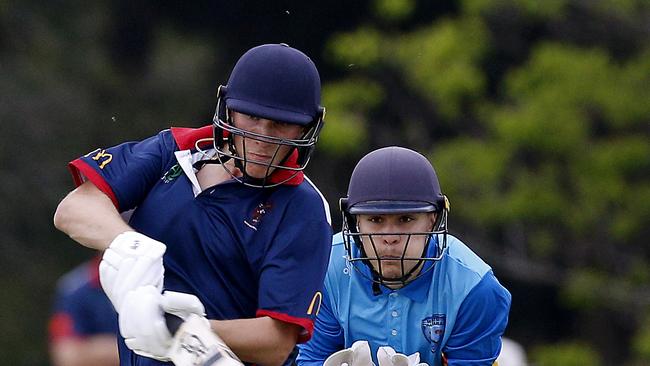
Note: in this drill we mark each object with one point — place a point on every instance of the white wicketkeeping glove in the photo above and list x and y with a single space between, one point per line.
386 356
357 355
142 321
132 260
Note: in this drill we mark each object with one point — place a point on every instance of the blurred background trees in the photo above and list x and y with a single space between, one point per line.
535 114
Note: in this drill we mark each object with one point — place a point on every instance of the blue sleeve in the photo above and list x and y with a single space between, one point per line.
328 337
295 264
480 323
127 172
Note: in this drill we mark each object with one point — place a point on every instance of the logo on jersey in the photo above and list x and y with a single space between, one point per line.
101 157
433 328
173 173
314 306
259 212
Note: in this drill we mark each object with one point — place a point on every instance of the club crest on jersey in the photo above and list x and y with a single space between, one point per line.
173 173
433 328
259 212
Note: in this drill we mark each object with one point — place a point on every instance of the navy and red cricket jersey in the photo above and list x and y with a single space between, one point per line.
244 252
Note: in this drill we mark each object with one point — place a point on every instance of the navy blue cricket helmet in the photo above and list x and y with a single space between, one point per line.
276 82
394 180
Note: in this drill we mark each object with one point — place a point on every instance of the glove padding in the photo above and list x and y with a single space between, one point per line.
357 355
386 356
132 260
142 321
183 305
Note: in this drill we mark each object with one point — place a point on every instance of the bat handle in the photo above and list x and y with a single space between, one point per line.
173 322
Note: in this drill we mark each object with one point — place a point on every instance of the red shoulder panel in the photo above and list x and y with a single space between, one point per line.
186 137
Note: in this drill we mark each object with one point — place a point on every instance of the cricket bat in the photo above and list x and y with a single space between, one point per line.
195 344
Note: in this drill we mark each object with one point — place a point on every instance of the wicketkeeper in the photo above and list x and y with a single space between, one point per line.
400 290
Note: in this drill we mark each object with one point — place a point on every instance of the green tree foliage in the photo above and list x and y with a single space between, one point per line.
535 114
571 354
532 8
540 138
453 46
393 10
642 342
64 95
353 98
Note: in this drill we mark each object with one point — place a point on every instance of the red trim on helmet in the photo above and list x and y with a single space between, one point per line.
186 137
61 326
306 324
80 169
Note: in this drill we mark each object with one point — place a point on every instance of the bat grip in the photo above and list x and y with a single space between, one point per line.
173 322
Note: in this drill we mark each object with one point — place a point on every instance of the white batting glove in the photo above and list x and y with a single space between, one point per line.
196 344
132 260
142 319
183 305
386 356
357 355
142 323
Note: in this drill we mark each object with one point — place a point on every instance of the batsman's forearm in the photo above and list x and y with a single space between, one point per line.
89 217
263 341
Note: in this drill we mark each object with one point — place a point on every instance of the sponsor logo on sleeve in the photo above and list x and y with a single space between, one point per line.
101 157
314 306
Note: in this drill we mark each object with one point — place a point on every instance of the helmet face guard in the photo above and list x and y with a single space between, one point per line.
274 82
358 256
300 151
394 181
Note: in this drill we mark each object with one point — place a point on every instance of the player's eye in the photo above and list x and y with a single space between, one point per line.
406 219
375 219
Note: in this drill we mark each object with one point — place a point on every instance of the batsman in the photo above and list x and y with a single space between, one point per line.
228 233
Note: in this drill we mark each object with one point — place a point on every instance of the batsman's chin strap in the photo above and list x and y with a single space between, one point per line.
201 163
246 178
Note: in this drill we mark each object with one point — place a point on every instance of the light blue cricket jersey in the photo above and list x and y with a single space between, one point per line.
458 308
